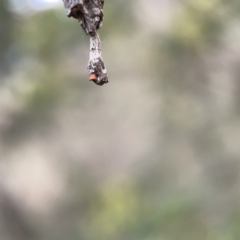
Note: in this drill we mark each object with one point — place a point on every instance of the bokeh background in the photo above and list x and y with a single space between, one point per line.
153 155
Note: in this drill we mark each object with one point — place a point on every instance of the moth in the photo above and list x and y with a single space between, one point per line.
90 15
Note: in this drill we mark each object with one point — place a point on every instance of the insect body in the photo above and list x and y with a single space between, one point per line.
88 12
90 15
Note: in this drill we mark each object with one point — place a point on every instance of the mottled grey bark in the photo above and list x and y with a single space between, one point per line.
90 15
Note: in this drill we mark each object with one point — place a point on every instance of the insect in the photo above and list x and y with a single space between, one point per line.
90 15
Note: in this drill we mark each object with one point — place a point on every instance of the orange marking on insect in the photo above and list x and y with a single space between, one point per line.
92 77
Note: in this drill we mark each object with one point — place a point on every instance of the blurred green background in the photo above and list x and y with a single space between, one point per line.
153 155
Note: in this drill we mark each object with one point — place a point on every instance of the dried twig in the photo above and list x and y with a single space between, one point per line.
90 15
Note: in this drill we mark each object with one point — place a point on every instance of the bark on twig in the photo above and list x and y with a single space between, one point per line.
90 15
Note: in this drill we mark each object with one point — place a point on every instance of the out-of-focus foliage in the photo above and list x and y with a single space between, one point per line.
153 155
